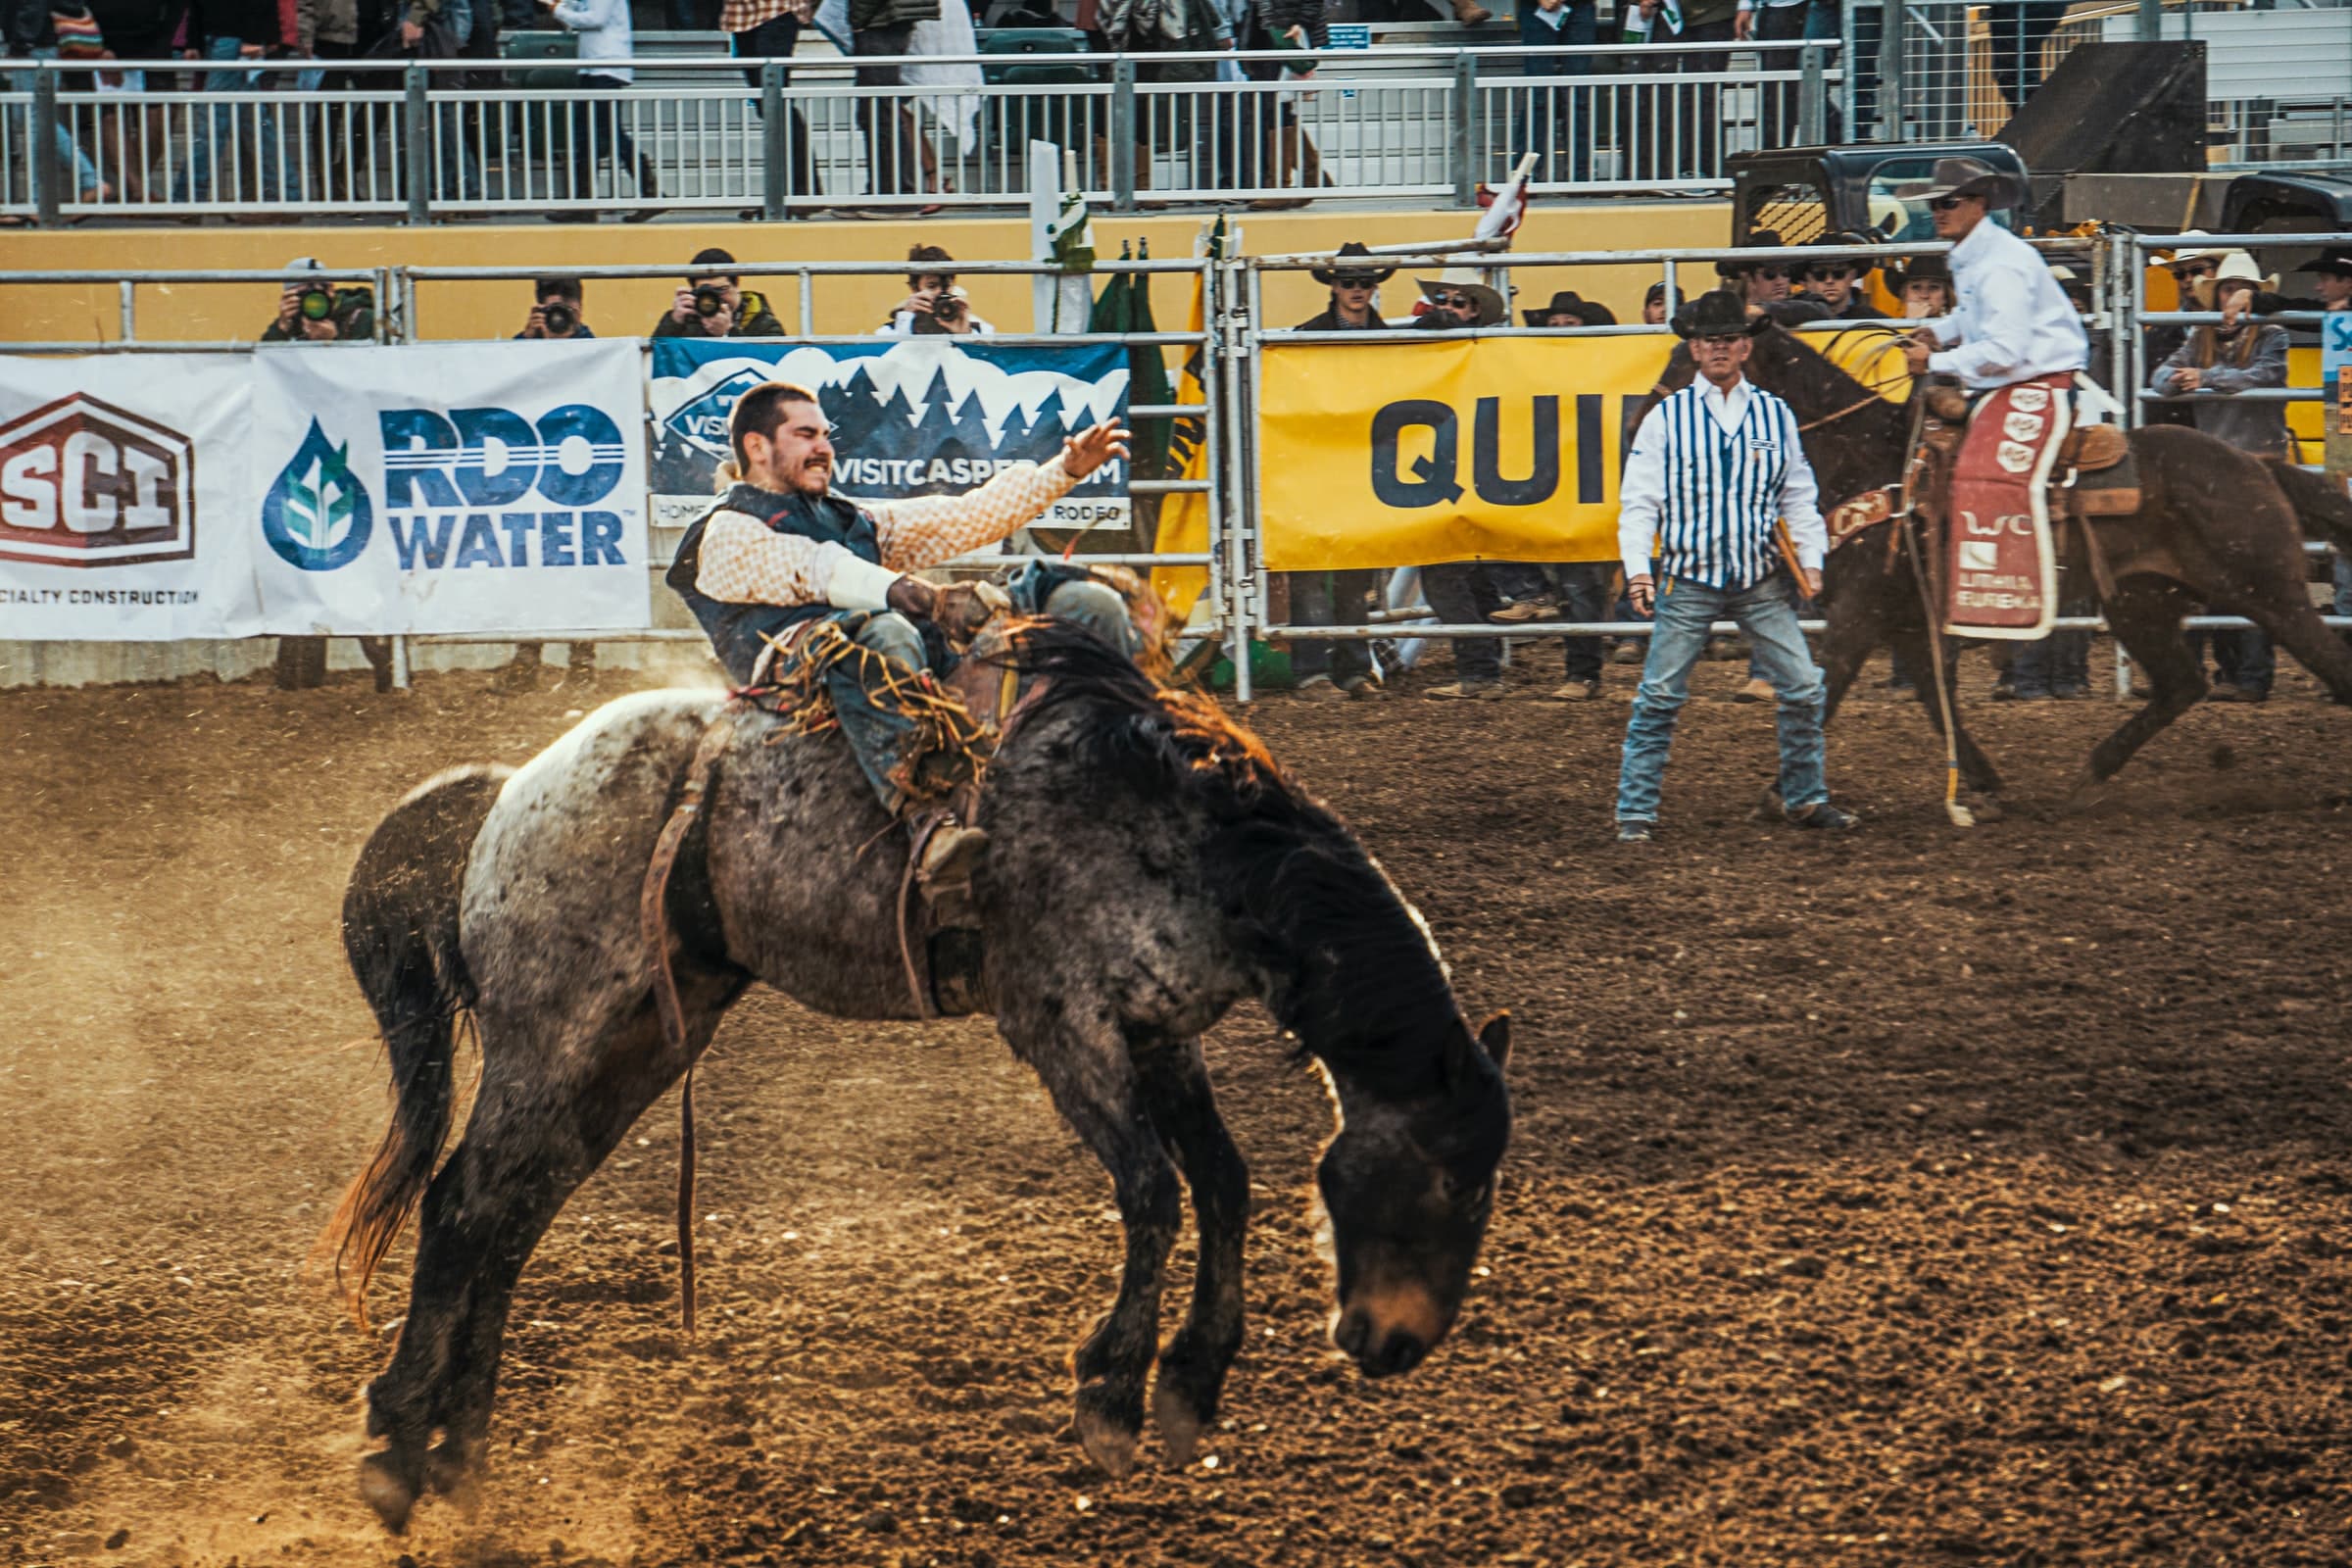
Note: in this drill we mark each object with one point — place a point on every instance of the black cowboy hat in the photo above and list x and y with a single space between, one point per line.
1916 268
1718 313
1328 275
1965 176
1757 240
1567 302
2335 259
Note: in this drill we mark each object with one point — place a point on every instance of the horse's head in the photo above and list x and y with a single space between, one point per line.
1407 1187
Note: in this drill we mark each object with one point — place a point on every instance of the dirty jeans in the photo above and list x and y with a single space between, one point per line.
878 733
1767 613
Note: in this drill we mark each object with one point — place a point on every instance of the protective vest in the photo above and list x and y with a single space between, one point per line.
1723 489
738 633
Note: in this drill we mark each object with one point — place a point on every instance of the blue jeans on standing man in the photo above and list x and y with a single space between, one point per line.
218 131
1551 116
1767 613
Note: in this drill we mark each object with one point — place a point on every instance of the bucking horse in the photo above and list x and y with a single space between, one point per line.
2214 528
1149 867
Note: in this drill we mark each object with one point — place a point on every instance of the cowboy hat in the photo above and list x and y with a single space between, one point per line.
2188 253
2335 259
1328 275
2237 266
1966 176
1718 313
1466 280
1757 240
1567 302
1918 269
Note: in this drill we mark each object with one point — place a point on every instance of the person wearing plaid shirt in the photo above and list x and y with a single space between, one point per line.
781 553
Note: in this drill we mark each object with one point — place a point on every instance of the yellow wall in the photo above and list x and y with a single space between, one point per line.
230 311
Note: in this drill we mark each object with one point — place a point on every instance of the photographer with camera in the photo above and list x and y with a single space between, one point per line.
935 304
556 311
712 305
315 308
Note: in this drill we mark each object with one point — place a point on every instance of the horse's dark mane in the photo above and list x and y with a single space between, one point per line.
1353 973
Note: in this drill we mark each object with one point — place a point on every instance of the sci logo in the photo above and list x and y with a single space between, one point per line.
318 515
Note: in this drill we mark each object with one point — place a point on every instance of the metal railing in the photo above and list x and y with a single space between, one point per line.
420 140
1240 602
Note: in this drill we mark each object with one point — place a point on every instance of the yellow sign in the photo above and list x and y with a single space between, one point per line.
1402 455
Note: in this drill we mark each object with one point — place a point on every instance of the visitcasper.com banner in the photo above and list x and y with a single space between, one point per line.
122 491
911 416
449 488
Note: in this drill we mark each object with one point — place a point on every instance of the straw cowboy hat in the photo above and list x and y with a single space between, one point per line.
1328 275
1567 302
1966 176
1719 312
2237 266
1466 280
2189 253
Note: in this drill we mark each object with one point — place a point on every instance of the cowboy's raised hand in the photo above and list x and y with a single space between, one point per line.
1915 350
1084 452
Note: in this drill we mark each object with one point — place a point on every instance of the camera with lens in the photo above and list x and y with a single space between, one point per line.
318 304
948 307
558 318
708 300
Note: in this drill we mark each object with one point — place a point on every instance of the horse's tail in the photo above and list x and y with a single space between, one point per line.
400 931
2321 502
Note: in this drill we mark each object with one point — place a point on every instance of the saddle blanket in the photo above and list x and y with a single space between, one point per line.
2000 560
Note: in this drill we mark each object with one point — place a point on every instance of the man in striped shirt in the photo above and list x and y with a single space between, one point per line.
1717 491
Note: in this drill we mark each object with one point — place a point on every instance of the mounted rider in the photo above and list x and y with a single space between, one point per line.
780 557
2017 347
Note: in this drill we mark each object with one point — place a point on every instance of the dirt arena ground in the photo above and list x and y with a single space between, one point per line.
1914 1199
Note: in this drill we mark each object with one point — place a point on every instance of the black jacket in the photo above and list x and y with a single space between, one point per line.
249 22
28 27
760 324
1329 321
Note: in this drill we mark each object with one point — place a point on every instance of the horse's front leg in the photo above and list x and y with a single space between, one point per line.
1193 1365
1084 1064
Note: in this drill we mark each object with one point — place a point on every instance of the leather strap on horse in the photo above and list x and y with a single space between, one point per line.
652 924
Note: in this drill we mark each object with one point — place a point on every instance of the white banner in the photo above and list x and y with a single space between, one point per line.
494 487
122 490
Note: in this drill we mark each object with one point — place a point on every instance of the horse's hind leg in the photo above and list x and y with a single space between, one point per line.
2145 613
535 1134
1193 1365
2285 614
1922 655
1084 1066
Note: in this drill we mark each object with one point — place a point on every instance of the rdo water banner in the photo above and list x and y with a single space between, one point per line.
121 483
1401 455
449 487
912 416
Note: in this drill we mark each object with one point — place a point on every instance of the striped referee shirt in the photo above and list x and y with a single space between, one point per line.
1709 474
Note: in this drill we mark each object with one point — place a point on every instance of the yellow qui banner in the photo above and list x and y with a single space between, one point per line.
1410 454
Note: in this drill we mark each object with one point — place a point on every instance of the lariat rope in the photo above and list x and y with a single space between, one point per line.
1960 815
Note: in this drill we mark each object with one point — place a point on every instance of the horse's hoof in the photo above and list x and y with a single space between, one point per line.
1178 1422
1986 807
1107 1433
382 1489
447 1472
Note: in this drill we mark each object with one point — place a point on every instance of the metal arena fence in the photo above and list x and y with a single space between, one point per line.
425 140
1237 606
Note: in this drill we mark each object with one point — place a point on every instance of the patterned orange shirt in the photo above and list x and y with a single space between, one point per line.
744 562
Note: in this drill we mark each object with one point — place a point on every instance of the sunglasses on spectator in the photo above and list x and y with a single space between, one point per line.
1458 302
1769 269
1353 280
1829 274
1948 204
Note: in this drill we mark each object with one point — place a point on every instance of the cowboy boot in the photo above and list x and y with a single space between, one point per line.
947 848
1470 14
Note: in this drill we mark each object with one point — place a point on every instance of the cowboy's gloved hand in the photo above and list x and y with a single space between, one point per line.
1915 350
962 608
912 598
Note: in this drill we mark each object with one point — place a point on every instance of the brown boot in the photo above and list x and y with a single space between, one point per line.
949 850
1470 14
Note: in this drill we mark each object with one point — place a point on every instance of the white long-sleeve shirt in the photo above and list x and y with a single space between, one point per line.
1709 474
2010 319
605 34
